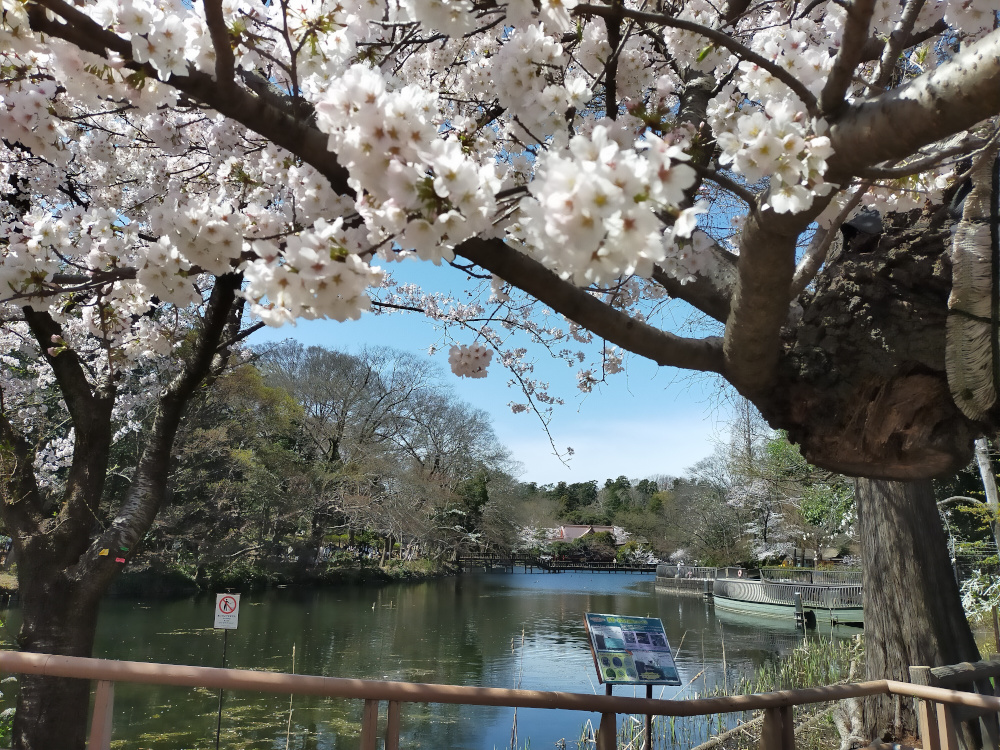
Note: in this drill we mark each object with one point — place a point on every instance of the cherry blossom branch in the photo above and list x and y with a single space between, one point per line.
720 38
90 411
583 308
146 492
852 43
262 115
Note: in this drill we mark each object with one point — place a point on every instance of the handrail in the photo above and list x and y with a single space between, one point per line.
20 662
778 727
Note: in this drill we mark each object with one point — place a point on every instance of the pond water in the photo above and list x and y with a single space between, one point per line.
492 630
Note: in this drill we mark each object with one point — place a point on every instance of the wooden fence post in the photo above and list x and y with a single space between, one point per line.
930 733
103 717
778 730
948 731
607 733
369 725
392 727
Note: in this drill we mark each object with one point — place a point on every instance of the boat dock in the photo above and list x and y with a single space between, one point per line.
787 593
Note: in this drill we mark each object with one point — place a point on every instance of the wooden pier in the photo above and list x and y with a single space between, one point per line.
531 563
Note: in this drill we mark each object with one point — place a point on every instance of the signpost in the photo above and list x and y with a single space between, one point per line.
631 651
227 617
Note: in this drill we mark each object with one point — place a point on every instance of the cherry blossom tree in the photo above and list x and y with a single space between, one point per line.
163 161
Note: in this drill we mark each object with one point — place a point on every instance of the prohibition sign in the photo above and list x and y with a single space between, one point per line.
227 611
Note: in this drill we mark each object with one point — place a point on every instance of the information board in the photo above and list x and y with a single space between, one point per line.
227 611
631 650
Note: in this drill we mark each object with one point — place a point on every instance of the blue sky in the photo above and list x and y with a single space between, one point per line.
645 421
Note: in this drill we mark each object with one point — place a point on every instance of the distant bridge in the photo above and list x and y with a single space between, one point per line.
530 563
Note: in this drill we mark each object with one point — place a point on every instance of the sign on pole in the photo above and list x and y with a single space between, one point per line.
227 611
631 650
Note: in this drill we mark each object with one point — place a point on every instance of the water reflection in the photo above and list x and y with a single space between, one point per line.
495 630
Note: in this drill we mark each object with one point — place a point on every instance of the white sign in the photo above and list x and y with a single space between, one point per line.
227 611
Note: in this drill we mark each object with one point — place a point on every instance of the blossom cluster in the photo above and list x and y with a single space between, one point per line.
592 211
470 361
314 275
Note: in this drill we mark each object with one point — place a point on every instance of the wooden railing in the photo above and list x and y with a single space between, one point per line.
939 732
804 575
944 724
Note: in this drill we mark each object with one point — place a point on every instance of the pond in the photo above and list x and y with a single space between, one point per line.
478 629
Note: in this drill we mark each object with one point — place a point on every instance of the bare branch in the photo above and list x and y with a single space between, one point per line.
816 253
725 183
874 46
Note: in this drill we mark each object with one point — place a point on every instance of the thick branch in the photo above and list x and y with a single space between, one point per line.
581 307
852 44
947 100
760 302
711 290
894 45
816 253
22 502
225 63
147 490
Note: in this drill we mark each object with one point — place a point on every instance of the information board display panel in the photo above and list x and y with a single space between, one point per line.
631 650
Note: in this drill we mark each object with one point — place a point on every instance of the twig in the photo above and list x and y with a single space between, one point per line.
816 253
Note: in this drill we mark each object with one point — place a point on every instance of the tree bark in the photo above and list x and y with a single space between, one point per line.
59 617
913 610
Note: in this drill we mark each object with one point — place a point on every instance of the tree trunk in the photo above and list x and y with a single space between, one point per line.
913 610
989 485
59 617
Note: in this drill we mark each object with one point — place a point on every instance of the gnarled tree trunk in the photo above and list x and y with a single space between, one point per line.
913 610
59 617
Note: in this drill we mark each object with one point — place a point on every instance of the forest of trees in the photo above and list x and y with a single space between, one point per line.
303 451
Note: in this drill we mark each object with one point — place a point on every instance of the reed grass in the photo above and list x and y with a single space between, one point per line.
818 661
